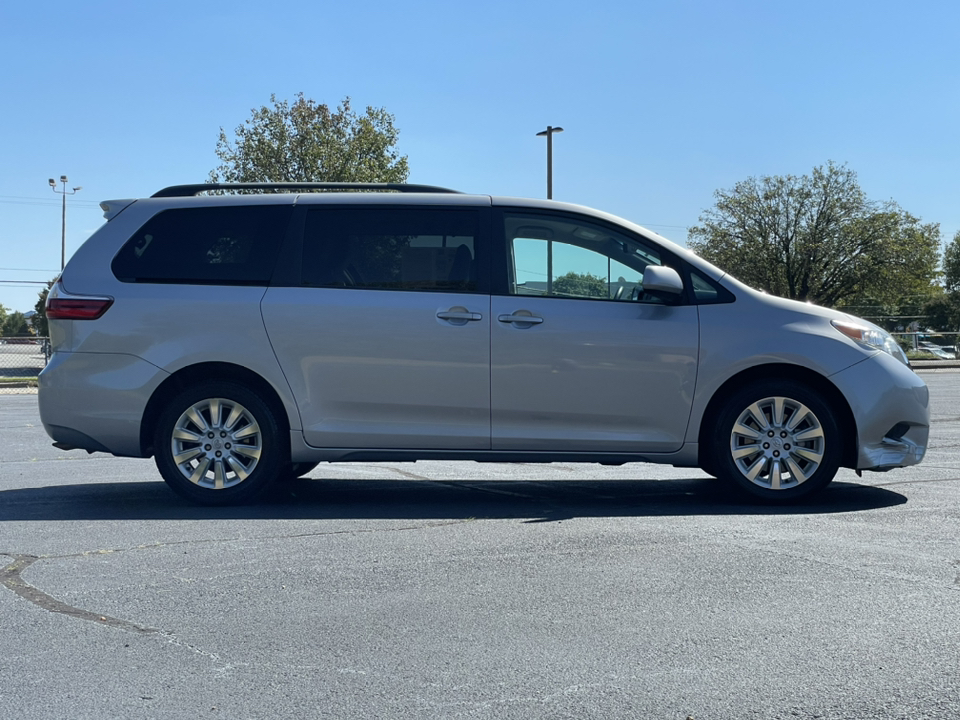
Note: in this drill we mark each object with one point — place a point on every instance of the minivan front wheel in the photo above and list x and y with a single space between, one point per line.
218 444
777 440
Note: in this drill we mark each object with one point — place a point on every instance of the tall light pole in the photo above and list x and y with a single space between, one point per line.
63 231
549 133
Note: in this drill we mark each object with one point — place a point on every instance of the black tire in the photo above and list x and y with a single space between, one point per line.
227 441
776 440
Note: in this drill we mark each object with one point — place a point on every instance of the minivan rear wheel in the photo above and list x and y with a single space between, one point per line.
777 440
218 444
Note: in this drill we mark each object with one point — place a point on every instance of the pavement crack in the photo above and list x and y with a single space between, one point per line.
12 577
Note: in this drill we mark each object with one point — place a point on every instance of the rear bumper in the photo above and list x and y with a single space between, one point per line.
95 401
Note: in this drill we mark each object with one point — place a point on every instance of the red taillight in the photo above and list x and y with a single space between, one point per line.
77 308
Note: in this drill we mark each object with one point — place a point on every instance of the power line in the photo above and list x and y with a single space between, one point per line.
47 202
34 197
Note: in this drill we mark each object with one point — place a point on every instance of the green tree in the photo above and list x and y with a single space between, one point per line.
580 285
39 321
309 142
15 324
951 264
817 238
943 313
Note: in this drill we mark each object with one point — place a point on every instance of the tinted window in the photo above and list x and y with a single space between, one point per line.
391 249
570 257
708 292
212 245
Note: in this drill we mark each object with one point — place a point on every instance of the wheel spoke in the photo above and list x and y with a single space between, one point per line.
187 455
182 433
799 415
754 470
759 416
778 407
247 431
200 472
214 406
795 470
807 454
250 451
197 419
775 475
813 433
238 468
741 429
218 475
236 412
745 451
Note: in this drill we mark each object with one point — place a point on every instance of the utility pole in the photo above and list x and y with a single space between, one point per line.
63 230
549 133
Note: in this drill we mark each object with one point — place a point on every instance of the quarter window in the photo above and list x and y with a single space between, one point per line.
707 292
230 245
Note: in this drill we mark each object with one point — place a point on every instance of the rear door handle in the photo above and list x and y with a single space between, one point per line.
459 316
520 319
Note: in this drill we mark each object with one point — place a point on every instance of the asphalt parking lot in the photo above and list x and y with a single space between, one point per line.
460 590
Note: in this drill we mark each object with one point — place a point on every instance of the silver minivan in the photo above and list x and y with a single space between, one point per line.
241 334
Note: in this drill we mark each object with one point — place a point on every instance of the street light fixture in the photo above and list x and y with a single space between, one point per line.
63 231
549 133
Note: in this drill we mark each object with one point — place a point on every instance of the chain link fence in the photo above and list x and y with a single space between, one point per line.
21 360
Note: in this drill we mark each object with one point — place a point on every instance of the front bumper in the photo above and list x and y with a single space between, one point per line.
891 408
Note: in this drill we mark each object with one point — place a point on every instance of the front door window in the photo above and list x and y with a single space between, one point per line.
553 257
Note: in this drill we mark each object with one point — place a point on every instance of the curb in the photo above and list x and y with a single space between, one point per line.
919 365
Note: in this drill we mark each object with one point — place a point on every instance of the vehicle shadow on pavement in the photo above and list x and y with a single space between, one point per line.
344 499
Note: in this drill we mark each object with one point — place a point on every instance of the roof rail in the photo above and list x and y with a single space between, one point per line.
196 189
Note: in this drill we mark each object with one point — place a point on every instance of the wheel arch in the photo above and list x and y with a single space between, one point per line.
203 372
783 371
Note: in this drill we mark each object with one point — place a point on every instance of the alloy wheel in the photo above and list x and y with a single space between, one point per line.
777 443
216 443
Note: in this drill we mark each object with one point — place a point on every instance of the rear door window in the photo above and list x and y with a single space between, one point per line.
425 249
229 245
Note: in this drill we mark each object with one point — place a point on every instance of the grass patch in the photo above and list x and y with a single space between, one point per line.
30 381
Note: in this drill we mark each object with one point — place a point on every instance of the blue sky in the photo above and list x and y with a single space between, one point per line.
662 103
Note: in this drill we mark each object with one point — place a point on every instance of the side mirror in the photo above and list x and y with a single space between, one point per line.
662 282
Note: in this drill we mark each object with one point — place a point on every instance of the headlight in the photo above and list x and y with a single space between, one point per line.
873 338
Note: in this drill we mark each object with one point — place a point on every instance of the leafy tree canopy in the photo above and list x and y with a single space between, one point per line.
580 285
943 313
39 321
309 142
817 238
15 324
951 264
